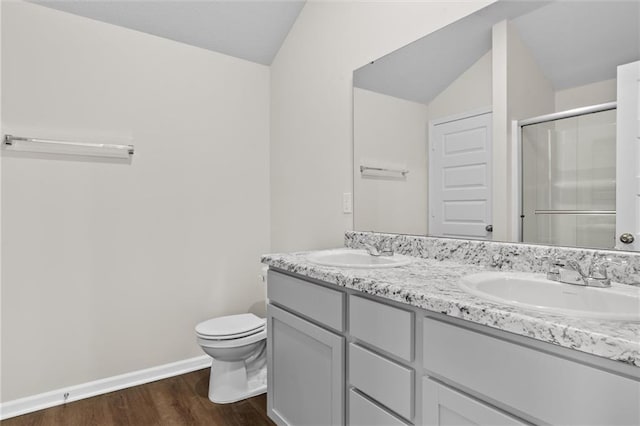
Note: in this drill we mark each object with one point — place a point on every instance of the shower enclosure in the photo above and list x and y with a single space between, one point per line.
569 178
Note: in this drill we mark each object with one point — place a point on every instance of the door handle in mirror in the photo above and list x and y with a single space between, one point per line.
488 228
627 238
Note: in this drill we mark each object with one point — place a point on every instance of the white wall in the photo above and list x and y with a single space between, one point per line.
107 267
471 91
520 90
530 93
311 107
500 185
589 94
1 133
390 133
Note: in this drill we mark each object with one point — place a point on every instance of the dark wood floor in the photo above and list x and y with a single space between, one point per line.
180 400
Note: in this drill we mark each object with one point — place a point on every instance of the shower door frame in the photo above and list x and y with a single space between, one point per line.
516 155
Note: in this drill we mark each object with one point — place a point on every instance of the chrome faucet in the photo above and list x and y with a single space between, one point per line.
381 248
569 271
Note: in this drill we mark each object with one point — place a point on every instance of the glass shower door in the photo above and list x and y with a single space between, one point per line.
569 181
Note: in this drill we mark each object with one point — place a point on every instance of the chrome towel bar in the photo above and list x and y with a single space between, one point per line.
577 212
20 143
403 172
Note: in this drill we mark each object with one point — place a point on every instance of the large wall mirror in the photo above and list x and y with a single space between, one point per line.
516 123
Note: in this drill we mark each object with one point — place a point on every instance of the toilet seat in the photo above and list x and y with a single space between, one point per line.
214 342
231 327
230 336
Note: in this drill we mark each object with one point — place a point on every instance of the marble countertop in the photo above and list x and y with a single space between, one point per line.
431 284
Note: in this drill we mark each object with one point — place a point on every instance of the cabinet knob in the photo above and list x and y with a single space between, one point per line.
627 238
488 228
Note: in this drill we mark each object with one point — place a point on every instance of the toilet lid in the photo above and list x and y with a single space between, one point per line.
232 325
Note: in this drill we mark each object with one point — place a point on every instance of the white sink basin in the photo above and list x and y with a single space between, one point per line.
534 291
350 258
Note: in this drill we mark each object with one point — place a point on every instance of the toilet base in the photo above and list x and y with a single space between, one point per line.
239 397
231 382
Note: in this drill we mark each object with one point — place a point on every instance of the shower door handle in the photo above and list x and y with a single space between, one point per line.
488 228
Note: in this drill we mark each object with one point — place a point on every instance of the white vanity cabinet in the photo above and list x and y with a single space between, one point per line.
380 353
442 405
531 379
338 356
305 360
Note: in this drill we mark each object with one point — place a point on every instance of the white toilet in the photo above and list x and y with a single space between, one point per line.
237 344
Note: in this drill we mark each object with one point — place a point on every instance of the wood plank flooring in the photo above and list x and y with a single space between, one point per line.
176 401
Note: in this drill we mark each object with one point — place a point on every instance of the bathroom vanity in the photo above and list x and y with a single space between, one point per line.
406 345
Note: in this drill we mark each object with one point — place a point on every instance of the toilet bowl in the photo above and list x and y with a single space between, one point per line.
237 346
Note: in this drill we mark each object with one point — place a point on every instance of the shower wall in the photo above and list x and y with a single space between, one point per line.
569 182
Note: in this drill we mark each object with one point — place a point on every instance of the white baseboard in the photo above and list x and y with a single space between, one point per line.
98 387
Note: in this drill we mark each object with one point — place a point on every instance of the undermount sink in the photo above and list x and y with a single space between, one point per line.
534 291
350 258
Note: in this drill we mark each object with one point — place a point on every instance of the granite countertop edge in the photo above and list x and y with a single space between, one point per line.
431 284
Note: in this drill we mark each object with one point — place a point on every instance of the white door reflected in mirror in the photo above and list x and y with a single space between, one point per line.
460 171
628 158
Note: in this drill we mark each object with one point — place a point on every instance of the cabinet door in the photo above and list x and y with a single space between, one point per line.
443 406
305 372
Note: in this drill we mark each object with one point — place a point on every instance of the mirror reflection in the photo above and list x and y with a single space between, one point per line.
569 180
506 125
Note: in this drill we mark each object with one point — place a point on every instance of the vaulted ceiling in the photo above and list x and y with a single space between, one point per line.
247 29
573 42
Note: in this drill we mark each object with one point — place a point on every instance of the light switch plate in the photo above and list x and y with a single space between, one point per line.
347 202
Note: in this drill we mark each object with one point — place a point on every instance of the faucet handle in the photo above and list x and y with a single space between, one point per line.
372 249
603 258
545 258
388 247
383 247
560 261
598 269
553 260
598 274
553 266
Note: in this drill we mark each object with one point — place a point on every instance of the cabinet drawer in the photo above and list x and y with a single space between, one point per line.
387 382
552 389
311 300
363 412
442 405
383 326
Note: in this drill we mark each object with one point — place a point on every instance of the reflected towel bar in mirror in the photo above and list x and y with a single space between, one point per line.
366 169
580 212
